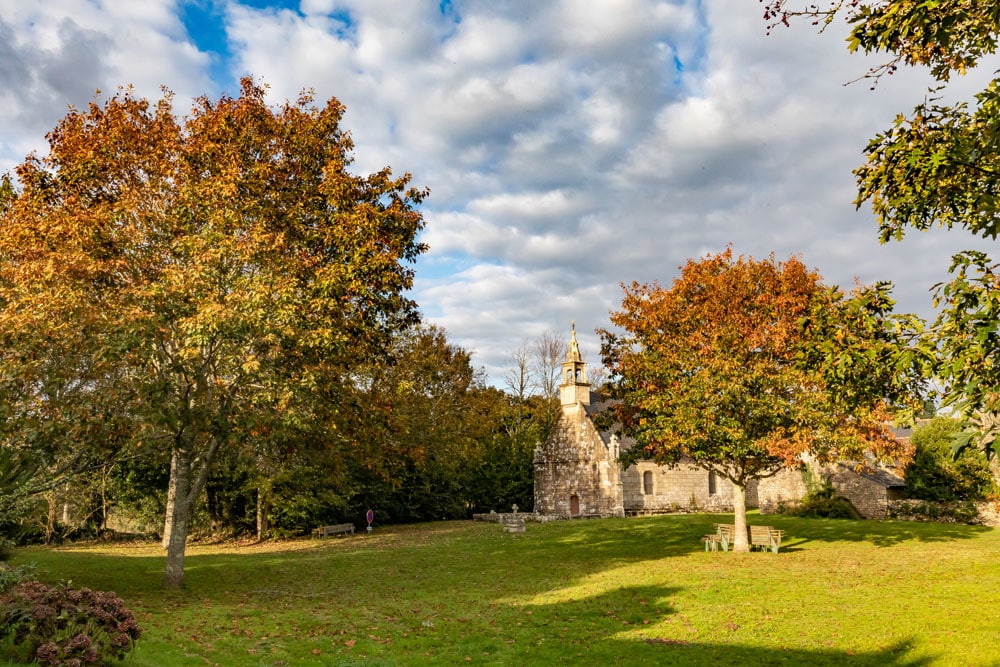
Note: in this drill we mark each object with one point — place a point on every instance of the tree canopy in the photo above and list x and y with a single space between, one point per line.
935 166
935 474
742 366
193 283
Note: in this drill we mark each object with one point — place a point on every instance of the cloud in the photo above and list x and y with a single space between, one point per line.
569 146
39 79
59 53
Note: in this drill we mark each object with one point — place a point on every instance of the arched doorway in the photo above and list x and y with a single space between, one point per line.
574 505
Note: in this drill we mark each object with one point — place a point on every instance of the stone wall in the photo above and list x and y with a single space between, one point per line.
965 512
783 490
786 489
648 488
870 498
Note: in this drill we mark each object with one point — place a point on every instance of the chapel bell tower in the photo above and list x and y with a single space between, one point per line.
574 388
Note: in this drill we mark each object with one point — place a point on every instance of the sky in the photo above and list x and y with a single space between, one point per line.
569 146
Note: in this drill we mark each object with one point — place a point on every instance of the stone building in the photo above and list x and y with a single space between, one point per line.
577 471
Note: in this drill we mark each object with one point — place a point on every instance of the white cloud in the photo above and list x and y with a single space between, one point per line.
58 53
568 146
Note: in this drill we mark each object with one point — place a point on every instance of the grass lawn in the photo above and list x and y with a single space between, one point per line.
613 591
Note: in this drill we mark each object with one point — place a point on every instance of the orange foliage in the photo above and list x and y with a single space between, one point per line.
717 369
210 277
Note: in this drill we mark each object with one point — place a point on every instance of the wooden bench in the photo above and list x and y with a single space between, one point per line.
712 542
776 539
339 529
759 537
726 533
765 537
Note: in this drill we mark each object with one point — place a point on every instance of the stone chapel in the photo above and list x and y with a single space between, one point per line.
577 473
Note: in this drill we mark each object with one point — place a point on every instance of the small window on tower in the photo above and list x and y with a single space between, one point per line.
711 484
647 482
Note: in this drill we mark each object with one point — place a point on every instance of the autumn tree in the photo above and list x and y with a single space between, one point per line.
203 279
937 165
738 367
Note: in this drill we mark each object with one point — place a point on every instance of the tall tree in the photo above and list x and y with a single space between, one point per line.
730 368
936 166
211 275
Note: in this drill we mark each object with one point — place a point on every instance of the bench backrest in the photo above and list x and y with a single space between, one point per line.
760 534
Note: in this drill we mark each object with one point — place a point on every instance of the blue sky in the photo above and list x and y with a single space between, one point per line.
569 145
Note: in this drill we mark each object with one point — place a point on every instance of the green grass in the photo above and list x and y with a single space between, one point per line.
629 592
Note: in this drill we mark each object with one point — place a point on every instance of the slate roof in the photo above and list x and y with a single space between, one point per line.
879 475
598 404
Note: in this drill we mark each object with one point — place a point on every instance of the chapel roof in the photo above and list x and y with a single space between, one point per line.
598 404
875 473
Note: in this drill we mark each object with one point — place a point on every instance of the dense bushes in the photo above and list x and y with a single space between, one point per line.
822 502
935 474
61 625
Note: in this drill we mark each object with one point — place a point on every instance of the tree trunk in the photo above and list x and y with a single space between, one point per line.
186 489
175 528
104 500
263 507
168 522
740 543
50 517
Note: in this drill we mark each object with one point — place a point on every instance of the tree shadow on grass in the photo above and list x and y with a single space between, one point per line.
659 651
620 541
636 625
672 535
880 533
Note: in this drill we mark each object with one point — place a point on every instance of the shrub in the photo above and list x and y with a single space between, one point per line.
823 502
935 474
12 576
61 625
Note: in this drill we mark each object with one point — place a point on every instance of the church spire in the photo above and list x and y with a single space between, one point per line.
574 388
574 348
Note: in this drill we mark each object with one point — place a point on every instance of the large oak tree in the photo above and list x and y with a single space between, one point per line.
206 279
742 366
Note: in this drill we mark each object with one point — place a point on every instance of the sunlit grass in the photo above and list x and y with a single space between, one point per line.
630 592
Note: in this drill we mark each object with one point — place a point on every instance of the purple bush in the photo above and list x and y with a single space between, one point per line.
60 625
